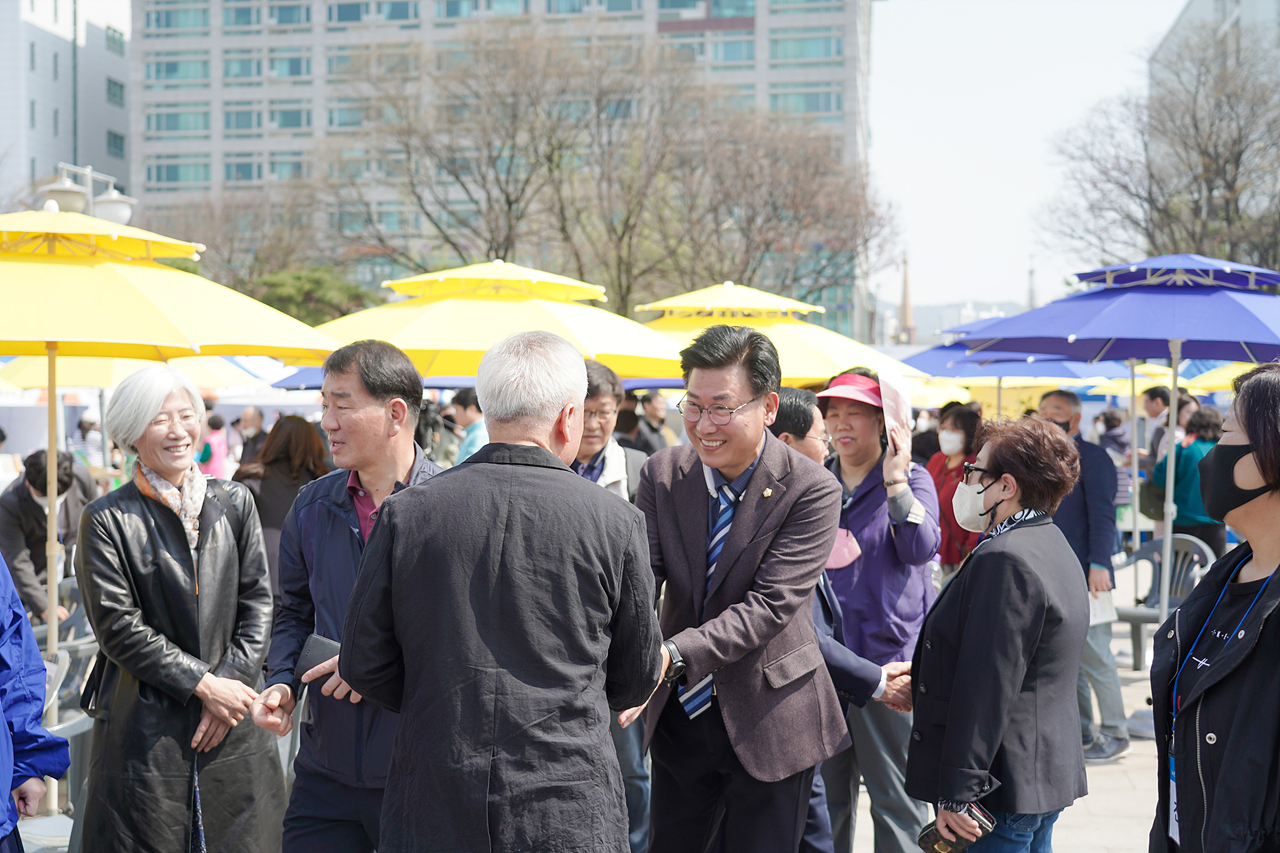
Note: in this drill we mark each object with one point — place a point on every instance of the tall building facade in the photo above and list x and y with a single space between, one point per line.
64 90
238 93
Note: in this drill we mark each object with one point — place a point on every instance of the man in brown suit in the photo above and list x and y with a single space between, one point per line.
740 527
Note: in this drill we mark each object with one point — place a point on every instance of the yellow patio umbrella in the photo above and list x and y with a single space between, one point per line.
730 300
497 278
448 336
1222 378
809 354
76 285
1121 387
206 371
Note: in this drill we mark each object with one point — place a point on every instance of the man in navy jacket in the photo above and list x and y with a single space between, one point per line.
1087 518
372 394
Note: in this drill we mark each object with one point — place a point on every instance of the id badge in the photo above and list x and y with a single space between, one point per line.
1173 803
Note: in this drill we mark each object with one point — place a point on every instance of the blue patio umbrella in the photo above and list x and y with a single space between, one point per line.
1169 306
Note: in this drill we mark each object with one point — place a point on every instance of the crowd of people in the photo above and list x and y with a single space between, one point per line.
574 629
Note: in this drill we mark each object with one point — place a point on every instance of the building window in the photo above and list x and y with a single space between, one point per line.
178 70
733 51
564 7
241 16
115 92
290 115
241 167
820 99
115 144
33 56
241 119
33 115
55 65
287 166
348 13
115 41
456 8
55 122
178 19
733 8
240 67
399 11
287 62
347 114
179 171
178 121
813 46
508 7
288 15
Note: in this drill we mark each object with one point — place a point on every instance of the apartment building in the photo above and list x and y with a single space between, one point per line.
237 93
64 90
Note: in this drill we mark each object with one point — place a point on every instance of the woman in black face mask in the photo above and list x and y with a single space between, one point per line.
1213 674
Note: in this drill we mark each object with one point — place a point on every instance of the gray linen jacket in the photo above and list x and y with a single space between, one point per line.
754 627
505 609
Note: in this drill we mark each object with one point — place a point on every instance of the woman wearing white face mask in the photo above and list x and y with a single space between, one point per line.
1004 641
956 433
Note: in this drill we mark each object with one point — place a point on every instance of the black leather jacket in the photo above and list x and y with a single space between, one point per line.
160 631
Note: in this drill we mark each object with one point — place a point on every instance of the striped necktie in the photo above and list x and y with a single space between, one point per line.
695 699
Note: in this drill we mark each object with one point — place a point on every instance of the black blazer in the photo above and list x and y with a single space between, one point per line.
994 678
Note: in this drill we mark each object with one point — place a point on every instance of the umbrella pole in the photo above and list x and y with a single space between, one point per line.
1133 464
1166 554
51 550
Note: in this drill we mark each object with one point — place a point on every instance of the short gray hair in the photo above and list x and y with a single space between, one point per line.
1069 397
529 377
138 399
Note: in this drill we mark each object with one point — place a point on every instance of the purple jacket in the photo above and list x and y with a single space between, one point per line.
885 593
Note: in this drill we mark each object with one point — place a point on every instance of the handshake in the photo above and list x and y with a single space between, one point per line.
897 686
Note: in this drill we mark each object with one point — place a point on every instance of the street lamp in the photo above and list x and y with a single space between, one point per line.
112 205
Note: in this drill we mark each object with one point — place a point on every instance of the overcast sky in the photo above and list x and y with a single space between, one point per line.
967 100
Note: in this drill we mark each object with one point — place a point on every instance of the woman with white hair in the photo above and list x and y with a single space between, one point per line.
173 572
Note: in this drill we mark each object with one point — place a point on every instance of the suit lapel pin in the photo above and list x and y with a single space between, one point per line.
768 492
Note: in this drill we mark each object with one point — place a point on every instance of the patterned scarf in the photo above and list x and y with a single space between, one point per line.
186 502
1020 516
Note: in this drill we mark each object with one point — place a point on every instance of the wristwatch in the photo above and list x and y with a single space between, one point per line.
675 672
899 481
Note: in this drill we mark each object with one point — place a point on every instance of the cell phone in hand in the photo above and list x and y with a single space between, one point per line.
931 840
317 650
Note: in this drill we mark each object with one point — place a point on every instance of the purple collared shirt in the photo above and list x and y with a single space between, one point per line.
885 593
366 511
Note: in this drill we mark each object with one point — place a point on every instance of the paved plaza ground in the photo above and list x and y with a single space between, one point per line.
1116 816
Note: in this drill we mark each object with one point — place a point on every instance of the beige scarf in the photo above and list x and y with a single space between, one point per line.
186 502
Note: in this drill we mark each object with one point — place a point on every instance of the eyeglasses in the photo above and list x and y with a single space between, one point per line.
969 468
825 439
188 419
588 415
720 415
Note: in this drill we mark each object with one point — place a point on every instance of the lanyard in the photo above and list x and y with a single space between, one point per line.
1174 700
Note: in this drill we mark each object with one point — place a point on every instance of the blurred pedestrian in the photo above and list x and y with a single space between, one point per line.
739 529
173 574
468 415
1215 706
1006 635
1114 438
503 609
654 434
214 455
371 397
1204 428
252 434
291 456
28 753
605 462
1087 517
956 435
24 526
86 441
889 532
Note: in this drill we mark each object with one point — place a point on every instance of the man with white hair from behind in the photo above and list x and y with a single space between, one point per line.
504 609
